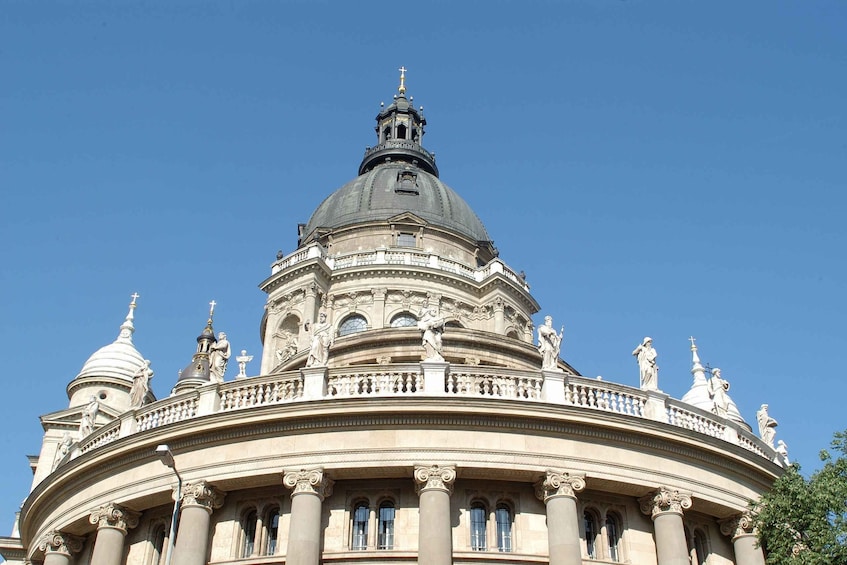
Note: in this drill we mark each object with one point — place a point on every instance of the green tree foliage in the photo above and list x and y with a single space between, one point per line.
804 521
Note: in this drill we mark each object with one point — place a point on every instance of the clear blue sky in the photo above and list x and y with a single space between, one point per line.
657 168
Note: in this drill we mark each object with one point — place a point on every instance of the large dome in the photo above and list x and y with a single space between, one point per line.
391 189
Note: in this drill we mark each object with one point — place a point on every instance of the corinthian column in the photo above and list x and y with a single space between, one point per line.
192 536
665 506
744 539
558 491
58 547
434 485
112 523
310 488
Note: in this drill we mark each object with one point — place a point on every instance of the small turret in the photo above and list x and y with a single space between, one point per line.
197 373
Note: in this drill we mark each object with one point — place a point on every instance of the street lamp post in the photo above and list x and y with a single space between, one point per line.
167 458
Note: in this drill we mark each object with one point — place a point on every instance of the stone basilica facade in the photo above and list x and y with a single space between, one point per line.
403 412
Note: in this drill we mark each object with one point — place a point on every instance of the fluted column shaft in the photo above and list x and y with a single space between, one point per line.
434 485
58 547
310 487
665 506
744 539
558 491
192 536
112 521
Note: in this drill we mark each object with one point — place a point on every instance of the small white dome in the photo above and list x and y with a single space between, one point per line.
119 359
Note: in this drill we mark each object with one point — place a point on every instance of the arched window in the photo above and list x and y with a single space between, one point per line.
157 540
352 324
248 533
613 535
360 526
385 529
401 132
503 517
591 532
478 533
273 531
701 546
404 320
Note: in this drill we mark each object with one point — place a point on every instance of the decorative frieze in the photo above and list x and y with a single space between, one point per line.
738 525
114 516
664 500
60 542
201 493
435 477
308 481
559 483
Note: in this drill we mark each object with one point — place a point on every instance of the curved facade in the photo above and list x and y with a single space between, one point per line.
383 453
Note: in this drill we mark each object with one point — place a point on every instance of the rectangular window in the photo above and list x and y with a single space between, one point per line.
406 240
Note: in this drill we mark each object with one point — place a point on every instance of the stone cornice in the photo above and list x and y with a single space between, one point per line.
114 516
739 525
559 483
308 481
337 415
434 477
60 542
202 494
664 500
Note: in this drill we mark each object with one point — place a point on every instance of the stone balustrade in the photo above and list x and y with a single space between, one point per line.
408 380
398 256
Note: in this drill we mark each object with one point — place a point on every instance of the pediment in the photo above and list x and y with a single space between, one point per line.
70 417
408 218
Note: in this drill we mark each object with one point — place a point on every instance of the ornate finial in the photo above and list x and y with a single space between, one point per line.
127 327
692 340
212 305
402 89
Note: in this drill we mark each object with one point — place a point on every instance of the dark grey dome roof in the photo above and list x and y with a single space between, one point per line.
394 188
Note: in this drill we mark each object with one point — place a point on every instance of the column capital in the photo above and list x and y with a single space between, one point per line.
738 525
559 483
114 516
202 494
60 542
308 481
664 499
435 477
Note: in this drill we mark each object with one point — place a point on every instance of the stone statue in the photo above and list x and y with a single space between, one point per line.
767 425
289 347
219 354
782 453
64 449
140 385
320 342
89 417
549 344
243 359
717 391
432 326
646 356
